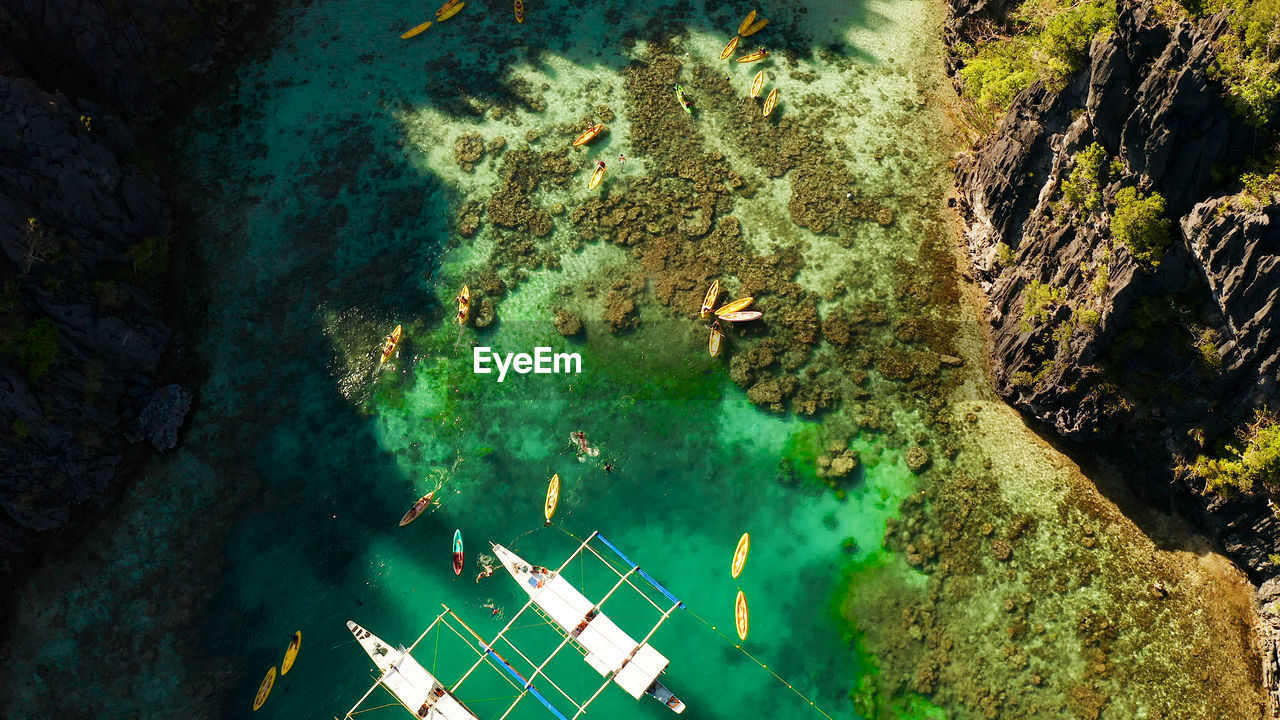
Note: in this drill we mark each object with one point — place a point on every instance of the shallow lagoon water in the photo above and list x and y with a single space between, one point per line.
326 193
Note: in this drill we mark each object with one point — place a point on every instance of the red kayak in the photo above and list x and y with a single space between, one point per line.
457 552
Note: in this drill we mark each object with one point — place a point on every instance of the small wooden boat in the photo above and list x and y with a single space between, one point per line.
464 305
755 28
265 688
684 101
416 30
746 22
457 552
596 177
770 102
451 12
757 55
389 346
728 49
291 653
740 616
709 301
713 343
553 497
446 7
735 306
589 135
757 84
422 504
740 554
519 7
742 316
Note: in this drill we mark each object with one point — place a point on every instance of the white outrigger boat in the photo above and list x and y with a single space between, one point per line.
633 666
416 689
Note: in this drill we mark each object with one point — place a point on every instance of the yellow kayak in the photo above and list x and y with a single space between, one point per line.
291 653
746 22
596 178
755 28
265 688
713 347
519 8
553 497
740 554
446 7
728 49
416 31
770 102
450 12
740 616
389 346
589 135
741 316
757 55
757 84
713 292
464 305
735 306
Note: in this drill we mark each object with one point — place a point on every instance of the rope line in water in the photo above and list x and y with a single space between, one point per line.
741 649
753 659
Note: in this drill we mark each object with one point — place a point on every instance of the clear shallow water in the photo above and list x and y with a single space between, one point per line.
326 194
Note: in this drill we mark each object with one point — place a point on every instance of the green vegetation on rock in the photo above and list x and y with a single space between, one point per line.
1250 469
1139 223
1248 60
34 348
1048 42
1041 300
1083 187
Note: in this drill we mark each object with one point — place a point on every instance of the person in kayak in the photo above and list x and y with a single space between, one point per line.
600 165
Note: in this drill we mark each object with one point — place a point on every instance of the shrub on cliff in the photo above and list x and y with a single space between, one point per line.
1248 60
1052 39
1082 188
1256 467
1139 222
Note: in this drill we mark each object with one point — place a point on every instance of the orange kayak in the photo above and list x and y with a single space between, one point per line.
740 554
746 22
519 7
713 345
734 306
416 30
713 292
423 503
742 316
770 102
446 7
451 12
757 84
755 28
757 55
728 49
740 616
589 135
464 305
389 346
596 178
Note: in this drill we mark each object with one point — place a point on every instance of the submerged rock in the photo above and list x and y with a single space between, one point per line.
163 416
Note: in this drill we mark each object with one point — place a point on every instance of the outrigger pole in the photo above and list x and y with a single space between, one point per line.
525 685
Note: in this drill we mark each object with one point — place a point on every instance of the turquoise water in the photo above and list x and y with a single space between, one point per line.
330 201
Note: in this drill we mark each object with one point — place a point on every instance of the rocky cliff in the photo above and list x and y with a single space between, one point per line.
1153 356
86 358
